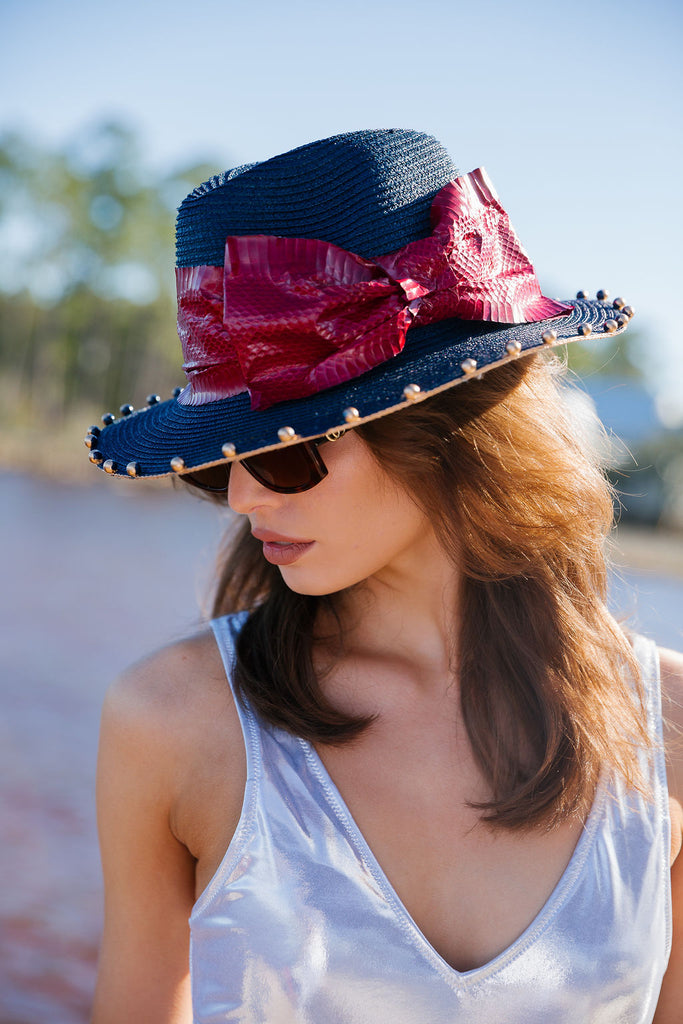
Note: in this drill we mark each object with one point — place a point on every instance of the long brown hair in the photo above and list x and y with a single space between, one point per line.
550 688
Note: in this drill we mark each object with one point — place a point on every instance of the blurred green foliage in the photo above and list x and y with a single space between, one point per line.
87 316
645 464
616 356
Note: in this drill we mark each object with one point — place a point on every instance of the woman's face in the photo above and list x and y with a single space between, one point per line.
355 524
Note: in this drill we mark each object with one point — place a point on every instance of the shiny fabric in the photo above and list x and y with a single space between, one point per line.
301 925
290 317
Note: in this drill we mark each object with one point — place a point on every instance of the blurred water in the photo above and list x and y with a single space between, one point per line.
94 578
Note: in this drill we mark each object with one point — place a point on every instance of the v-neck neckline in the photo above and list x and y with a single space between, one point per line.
528 936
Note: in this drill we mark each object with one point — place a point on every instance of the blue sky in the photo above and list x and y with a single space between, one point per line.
575 110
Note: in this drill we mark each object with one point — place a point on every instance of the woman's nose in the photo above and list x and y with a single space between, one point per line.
245 493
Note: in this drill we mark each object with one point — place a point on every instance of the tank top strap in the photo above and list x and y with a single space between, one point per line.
653 762
278 762
647 655
226 630
258 735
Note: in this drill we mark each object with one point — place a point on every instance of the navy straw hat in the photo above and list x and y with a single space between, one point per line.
366 194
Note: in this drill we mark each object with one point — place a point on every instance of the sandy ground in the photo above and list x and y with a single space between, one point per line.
94 577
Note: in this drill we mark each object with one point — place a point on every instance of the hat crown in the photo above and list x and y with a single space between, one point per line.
369 192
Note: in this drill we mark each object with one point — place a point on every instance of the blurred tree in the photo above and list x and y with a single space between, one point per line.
86 277
646 464
618 356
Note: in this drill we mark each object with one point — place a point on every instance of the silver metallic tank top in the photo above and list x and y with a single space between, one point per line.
300 923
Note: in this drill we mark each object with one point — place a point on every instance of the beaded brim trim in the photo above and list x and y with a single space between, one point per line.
166 437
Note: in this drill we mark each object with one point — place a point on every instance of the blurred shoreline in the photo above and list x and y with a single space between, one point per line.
647 549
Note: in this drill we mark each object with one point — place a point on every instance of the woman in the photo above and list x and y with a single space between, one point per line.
434 788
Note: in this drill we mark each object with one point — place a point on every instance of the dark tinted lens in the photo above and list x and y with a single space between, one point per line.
288 470
216 478
285 470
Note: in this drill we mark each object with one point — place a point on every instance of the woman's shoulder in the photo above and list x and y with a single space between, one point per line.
174 697
671 664
166 677
671 669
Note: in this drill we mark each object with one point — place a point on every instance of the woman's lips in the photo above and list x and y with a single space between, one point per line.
279 550
284 554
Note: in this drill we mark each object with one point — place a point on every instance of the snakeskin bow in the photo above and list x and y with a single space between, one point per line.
289 317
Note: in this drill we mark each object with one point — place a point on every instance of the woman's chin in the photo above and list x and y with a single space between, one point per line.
310 584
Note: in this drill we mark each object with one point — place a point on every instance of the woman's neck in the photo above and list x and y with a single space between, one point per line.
406 614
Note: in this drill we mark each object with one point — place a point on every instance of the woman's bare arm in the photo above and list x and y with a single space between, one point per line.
671 998
157 727
148 874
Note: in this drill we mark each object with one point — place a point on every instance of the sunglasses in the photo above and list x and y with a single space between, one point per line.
288 470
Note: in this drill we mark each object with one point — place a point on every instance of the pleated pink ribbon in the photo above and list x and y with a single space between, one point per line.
289 317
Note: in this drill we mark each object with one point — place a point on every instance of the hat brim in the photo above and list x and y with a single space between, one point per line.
144 443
